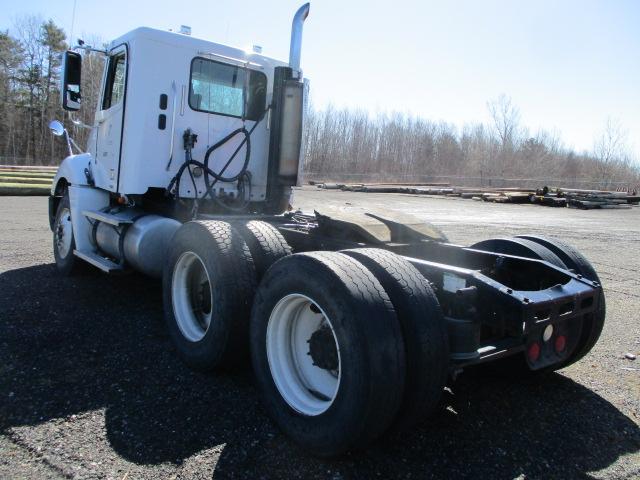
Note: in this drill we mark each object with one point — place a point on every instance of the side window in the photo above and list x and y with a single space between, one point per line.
219 88
114 87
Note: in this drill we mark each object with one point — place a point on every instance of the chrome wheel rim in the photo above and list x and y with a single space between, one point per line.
303 354
63 233
191 296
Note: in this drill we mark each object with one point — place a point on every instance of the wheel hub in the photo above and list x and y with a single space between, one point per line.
191 296
322 349
303 354
204 298
63 233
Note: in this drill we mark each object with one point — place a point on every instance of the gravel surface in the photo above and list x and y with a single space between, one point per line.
90 386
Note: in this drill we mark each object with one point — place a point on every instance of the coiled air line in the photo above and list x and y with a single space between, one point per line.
190 140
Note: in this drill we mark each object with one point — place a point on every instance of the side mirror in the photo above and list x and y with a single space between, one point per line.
70 80
56 128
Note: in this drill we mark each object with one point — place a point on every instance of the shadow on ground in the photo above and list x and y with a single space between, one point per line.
68 346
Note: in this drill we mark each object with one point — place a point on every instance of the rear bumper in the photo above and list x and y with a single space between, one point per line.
488 320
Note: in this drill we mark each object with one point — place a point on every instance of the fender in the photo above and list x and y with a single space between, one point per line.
72 171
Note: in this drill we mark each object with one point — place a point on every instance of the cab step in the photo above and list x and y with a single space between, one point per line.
102 263
105 217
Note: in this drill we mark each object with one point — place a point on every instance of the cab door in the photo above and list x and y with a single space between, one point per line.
109 119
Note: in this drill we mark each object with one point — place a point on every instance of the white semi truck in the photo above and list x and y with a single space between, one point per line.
354 320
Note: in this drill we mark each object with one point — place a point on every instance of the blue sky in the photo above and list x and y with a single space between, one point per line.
567 64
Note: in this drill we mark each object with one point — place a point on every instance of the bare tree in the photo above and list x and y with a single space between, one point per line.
506 119
610 150
506 122
345 145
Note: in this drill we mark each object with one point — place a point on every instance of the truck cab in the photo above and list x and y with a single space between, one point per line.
168 99
156 85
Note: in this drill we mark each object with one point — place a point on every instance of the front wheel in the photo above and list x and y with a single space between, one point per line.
63 240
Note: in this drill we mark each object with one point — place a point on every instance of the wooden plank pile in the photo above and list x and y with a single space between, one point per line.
546 196
498 195
26 180
589 199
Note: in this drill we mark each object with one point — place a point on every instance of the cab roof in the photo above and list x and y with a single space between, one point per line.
199 45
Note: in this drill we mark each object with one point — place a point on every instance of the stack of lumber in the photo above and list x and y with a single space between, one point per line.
588 199
26 180
547 196
583 199
499 195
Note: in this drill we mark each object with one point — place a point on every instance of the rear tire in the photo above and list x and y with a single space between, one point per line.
265 242
355 338
519 247
424 332
208 286
574 260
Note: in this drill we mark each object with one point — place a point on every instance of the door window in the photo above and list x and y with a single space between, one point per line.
114 88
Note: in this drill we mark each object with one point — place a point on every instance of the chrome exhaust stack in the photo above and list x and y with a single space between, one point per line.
295 48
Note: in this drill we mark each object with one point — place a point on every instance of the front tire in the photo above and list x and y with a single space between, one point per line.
327 352
63 240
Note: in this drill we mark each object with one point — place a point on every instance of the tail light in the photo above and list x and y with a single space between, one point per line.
560 343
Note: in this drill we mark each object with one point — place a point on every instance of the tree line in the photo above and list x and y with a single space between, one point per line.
347 145
340 144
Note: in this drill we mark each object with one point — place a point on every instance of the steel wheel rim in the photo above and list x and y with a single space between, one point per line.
307 388
191 296
63 233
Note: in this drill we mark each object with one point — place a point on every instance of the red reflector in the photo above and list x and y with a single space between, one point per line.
561 343
533 352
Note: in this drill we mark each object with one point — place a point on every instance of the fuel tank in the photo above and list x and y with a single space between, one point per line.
143 243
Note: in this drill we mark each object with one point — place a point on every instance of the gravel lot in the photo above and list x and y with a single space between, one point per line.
90 386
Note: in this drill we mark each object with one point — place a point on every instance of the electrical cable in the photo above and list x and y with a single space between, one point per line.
218 177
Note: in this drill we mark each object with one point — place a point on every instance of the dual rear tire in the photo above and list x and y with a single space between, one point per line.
346 345
209 280
343 345
327 351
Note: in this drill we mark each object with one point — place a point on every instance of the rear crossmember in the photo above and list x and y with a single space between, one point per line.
521 316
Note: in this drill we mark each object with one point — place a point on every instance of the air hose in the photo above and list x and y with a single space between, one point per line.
190 140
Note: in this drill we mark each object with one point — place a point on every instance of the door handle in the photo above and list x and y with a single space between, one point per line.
174 92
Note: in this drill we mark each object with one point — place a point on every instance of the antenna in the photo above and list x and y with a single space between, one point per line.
73 21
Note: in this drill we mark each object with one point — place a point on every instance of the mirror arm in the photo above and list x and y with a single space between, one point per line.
68 138
79 123
88 48
74 144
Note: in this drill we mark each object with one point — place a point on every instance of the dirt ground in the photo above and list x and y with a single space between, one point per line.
90 386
